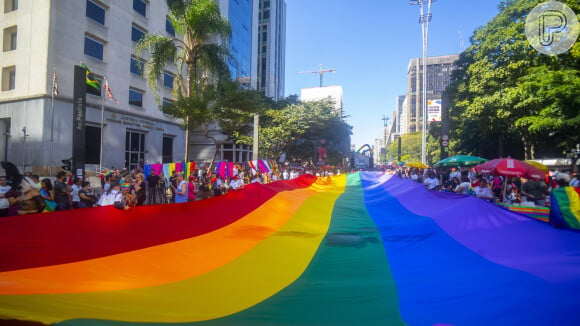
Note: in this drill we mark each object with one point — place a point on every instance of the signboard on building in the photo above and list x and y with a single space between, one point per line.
361 161
79 116
434 110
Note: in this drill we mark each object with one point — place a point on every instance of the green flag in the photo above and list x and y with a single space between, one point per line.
91 80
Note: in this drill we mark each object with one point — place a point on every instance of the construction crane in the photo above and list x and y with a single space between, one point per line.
321 72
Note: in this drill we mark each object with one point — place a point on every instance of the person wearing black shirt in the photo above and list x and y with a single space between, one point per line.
61 192
152 186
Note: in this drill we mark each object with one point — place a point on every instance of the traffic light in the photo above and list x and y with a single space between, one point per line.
67 164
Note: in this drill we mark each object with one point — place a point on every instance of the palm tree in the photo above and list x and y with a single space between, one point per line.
199 57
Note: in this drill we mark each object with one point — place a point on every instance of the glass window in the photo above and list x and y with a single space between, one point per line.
8 78
140 6
137 33
10 5
94 48
95 12
168 80
137 66
169 28
134 149
136 97
10 39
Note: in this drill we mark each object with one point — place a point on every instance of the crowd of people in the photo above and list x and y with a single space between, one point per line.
124 189
493 188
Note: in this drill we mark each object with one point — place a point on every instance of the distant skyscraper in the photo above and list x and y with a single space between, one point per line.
439 71
320 93
271 48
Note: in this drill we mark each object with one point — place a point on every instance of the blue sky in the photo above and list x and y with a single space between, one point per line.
370 43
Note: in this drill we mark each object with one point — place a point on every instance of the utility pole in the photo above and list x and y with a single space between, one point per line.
424 19
385 138
321 72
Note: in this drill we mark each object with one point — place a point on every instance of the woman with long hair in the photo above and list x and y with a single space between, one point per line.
47 192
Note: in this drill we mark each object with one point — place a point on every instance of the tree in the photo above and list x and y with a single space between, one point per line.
507 98
296 128
198 57
222 112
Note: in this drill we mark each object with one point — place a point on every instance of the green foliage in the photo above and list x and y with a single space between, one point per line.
411 148
295 128
509 99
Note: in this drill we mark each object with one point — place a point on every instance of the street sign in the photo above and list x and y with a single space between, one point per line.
444 143
444 137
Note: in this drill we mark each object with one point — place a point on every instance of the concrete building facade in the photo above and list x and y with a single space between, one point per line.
439 71
56 35
40 37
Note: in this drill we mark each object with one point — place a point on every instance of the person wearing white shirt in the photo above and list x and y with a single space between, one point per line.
463 187
431 182
483 191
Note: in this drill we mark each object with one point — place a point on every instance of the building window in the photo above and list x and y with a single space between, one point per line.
136 97
10 38
167 149
169 28
95 12
140 6
137 33
8 78
137 66
134 149
94 91
10 5
92 147
168 80
94 48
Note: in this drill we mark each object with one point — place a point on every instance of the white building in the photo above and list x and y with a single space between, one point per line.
40 35
320 93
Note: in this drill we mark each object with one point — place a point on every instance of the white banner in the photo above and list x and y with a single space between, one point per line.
434 110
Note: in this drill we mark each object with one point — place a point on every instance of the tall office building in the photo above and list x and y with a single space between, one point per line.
439 71
243 18
271 48
42 36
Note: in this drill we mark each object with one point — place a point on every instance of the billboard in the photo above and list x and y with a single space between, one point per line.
434 110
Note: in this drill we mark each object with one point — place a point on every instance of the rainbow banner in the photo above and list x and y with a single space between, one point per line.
565 203
539 213
357 249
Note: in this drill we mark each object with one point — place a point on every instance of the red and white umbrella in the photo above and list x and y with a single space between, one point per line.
510 167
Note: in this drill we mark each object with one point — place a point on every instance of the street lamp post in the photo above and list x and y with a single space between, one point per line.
424 19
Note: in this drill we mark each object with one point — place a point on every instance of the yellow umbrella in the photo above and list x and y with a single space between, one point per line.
417 165
538 165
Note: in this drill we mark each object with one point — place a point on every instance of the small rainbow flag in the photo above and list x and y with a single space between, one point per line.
356 249
565 206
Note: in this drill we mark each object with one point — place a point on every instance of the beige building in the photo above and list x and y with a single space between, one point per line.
439 71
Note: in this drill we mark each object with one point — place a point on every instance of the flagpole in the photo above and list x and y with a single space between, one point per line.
51 121
102 128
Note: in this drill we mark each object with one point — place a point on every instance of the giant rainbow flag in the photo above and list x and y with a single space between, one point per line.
360 249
